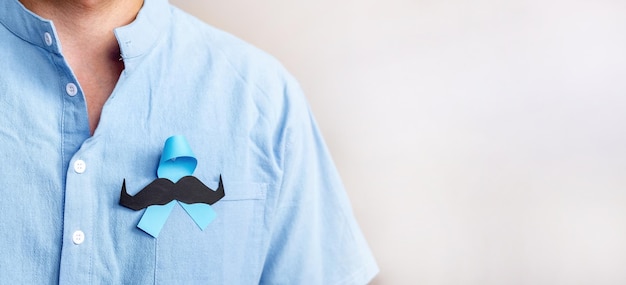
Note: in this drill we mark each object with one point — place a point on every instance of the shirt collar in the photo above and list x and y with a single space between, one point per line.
28 26
138 37
135 39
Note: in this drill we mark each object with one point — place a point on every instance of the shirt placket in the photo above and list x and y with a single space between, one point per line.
78 215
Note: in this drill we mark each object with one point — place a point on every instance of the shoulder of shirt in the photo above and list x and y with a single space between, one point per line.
253 65
277 92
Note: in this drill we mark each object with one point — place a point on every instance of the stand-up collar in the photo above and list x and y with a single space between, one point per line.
138 37
134 39
28 26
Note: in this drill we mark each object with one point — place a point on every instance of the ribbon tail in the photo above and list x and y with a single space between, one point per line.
154 218
202 214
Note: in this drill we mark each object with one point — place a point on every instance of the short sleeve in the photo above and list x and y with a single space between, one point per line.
314 237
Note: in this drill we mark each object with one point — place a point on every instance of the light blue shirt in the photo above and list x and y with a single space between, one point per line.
285 217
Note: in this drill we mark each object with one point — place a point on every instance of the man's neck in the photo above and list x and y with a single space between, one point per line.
86 17
85 29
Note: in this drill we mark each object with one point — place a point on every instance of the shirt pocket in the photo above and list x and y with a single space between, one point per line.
228 251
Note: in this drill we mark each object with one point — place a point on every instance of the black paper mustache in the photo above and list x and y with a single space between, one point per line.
161 191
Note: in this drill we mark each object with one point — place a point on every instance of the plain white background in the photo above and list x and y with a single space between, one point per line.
481 142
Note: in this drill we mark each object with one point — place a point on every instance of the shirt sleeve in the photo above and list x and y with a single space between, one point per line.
314 237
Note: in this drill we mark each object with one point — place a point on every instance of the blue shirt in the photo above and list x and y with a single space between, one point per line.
285 217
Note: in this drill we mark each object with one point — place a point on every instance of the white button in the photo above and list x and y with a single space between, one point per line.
79 166
78 237
48 38
71 89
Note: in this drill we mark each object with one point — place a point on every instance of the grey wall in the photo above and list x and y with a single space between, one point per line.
481 142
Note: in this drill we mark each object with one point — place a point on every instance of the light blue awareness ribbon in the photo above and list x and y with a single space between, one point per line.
177 161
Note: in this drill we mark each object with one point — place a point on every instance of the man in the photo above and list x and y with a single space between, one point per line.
91 89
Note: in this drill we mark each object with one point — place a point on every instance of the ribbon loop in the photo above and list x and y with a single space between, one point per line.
177 159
